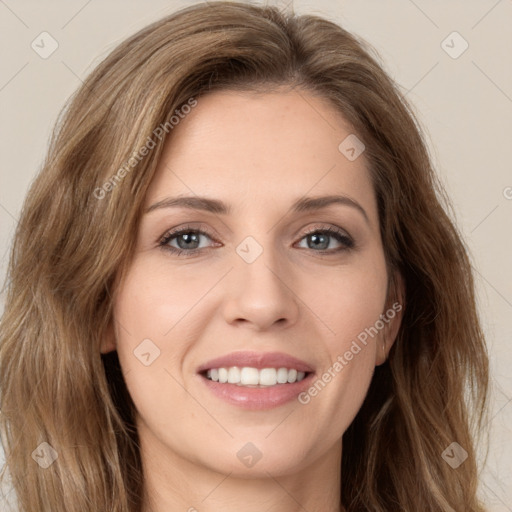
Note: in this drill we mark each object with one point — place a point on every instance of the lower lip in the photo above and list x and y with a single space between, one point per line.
258 398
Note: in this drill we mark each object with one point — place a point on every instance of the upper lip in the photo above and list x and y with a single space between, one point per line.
258 360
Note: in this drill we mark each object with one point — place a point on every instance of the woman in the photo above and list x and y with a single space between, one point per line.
235 285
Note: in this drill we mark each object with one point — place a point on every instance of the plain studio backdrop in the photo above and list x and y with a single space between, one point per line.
452 59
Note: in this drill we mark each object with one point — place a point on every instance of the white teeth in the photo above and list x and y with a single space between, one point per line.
268 377
282 375
234 375
292 375
248 376
223 375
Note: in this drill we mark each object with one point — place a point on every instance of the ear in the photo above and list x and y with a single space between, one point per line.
108 341
392 318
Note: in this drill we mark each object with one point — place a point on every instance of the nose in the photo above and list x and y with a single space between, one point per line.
260 294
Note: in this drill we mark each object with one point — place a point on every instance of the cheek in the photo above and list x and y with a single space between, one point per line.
348 300
152 307
153 300
156 325
349 307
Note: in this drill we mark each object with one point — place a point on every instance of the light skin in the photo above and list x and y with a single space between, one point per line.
258 154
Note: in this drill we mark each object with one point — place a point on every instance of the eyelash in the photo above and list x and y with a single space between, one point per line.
335 233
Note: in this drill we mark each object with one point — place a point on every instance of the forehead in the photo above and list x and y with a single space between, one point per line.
272 147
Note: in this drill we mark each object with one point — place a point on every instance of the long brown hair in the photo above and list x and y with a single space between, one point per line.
77 232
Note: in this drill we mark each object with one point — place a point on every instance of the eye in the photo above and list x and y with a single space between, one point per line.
320 240
185 241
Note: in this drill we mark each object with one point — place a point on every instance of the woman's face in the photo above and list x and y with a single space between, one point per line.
258 278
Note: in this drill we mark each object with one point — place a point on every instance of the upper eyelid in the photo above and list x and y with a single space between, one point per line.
177 231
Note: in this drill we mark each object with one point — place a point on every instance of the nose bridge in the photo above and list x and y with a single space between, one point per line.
259 291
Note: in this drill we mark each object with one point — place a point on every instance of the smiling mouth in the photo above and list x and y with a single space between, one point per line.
254 377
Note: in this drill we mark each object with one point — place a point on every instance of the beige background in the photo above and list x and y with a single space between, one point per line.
464 103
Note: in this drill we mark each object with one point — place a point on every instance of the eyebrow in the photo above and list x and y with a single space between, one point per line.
305 204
